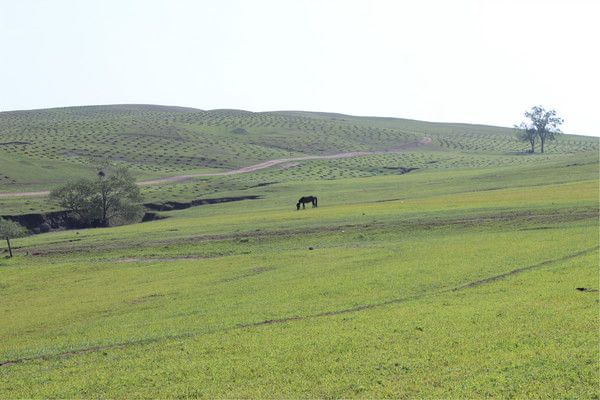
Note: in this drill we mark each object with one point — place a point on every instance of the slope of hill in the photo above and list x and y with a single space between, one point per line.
460 268
157 140
43 145
441 283
40 149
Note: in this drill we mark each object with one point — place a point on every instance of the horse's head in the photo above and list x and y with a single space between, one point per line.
297 205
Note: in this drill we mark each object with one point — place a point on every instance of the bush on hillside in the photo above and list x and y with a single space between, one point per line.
108 200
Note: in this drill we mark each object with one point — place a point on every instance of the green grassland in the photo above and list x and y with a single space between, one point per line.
41 149
159 141
456 280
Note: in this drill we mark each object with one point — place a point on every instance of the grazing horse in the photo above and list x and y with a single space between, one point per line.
306 199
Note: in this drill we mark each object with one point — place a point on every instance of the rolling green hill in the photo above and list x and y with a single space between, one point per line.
156 141
40 149
447 283
457 266
48 145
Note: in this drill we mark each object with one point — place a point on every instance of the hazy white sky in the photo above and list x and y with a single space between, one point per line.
460 61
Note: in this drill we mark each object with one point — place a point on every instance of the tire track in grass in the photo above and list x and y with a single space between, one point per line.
422 295
524 269
357 308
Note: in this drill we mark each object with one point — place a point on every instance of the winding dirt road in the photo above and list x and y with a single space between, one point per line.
250 168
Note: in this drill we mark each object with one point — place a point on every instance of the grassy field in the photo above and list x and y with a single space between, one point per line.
41 149
456 280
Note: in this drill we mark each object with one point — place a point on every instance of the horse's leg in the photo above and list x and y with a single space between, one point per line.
304 206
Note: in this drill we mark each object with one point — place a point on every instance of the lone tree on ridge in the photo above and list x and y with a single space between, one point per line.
541 124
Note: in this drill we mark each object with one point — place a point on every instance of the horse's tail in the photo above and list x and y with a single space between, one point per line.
315 201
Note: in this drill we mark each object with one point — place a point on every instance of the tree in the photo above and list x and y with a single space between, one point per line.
107 200
119 198
542 124
525 134
10 230
78 198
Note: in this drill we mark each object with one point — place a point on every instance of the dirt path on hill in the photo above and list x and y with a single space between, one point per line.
250 168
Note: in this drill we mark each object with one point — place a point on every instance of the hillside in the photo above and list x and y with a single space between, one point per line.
442 260
156 141
444 283
42 148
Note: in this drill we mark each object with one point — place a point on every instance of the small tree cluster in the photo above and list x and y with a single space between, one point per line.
107 200
10 230
541 124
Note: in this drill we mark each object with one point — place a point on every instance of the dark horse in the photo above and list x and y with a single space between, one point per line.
306 199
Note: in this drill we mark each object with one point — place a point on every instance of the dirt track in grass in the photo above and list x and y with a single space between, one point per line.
331 313
250 168
70 246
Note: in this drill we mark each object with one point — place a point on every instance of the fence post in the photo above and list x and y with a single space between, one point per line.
9 249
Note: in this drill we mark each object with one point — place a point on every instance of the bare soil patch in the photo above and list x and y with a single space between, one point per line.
155 259
500 217
584 289
252 272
